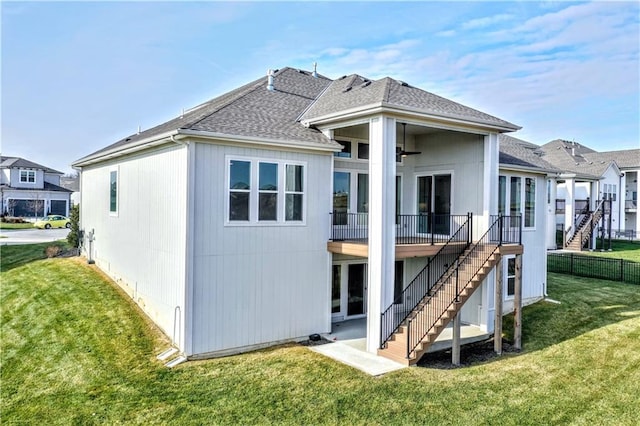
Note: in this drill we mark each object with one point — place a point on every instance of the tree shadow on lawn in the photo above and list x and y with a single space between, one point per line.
585 305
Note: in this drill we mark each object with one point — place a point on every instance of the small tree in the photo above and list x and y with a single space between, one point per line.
73 238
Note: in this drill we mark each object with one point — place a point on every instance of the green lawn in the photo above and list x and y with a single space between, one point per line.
620 249
76 351
4 225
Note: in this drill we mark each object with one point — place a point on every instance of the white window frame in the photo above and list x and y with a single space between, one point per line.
254 191
28 173
354 150
505 274
115 169
353 188
507 200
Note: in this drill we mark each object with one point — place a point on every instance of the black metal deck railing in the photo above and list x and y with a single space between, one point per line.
423 282
502 230
427 228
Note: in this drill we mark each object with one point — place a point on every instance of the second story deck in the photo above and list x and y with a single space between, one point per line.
417 235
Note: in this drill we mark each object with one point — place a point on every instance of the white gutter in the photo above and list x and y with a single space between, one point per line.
126 149
313 146
381 107
537 170
174 135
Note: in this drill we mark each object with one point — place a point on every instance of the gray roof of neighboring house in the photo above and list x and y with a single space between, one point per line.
625 159
355 91
70 183
573 157
21 163
516 152
252 111
47 187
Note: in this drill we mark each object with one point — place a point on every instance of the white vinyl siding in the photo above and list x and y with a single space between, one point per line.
143 249
258 283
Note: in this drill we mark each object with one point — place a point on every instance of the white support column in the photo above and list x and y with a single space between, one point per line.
569 203
382 195
594 192
637 227
551 213
490 184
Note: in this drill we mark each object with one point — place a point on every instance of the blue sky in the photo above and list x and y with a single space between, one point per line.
78 76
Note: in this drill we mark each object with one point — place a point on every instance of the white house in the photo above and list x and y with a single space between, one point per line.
29 189
265 214
586 178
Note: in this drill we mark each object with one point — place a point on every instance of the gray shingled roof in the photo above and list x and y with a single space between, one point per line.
516 152
21 163
252 111
574 157
625 159
355 91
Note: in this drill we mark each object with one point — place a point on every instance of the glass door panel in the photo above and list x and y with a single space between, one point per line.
341 188
424 203
356 289
442 204
336 284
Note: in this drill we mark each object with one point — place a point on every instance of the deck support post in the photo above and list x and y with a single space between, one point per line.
569 206
497 332
382 228
455 344
517 305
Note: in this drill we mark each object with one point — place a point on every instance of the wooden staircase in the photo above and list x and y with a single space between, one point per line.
434 312
583 231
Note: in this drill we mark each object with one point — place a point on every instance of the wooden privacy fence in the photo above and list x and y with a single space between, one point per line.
594 267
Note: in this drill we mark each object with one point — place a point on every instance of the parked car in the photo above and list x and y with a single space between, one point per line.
53 221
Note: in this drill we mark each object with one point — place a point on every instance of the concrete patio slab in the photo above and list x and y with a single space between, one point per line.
345 352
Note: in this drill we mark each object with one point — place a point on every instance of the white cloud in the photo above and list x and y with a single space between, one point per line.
486 21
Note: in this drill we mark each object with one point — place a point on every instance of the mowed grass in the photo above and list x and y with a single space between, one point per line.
620 249
4 225
76 351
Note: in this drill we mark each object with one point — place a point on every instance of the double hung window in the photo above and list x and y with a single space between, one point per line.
27 176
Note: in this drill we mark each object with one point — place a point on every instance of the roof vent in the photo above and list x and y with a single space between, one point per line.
347 89
315 70
270 80
365 84
402 83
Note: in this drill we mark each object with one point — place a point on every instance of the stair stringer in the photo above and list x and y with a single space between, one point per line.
396 347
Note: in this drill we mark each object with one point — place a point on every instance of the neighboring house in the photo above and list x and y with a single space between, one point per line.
586 178
31 190
265 214
72 183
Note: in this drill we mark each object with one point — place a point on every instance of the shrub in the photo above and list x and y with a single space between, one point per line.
73 238
52 251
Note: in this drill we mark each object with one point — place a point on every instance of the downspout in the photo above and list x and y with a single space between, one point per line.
187 346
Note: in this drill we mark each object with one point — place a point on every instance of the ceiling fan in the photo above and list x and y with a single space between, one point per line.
403 152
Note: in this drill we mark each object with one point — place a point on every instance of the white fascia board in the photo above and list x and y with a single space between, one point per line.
308 146
382 107
516 168
126 149
614 166
578 176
